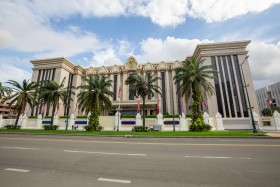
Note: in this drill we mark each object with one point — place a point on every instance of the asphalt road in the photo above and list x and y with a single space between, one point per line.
33 160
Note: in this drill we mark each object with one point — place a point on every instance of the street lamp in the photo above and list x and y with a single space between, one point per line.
249 103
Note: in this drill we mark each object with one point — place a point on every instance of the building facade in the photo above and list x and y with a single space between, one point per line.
229 100
268 96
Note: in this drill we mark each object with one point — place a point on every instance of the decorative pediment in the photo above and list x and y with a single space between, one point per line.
177 64
103 69
90 71
131 63
148 66
162 65
115 69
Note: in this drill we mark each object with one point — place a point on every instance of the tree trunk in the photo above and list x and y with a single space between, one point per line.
19 112
143 108
53 111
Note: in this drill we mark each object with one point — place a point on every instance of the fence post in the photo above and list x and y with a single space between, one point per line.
183 125
256 118
206 117
160 121
1 121
138 119
39 122
276 116
219 121
55 120
71 122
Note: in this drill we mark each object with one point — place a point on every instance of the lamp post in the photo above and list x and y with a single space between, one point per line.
249 103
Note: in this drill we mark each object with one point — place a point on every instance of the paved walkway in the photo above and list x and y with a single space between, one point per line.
274 134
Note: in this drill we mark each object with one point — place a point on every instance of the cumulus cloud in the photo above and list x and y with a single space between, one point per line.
264 63
14 68
169 49
113 54
220 10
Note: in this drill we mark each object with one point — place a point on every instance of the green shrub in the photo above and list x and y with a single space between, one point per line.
188 115
64 117
128 116
47 117
200 126
170 116
33 117
49 127
93 128
81 117
12 127
140 129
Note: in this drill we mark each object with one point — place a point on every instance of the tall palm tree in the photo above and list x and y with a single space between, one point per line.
51 93
141 86
4 91
22 95
193 78
94 96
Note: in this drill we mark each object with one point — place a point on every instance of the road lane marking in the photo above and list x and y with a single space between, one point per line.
114 180
17 170
143 143
104 153
20 148
218 157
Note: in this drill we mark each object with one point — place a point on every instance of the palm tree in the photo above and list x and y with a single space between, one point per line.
22 95
141 87
94 96
51 93
193 78
4 91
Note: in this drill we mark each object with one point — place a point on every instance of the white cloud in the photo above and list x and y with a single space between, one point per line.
113 54
169 49
220 10
13 68
164 12
264 63
24 30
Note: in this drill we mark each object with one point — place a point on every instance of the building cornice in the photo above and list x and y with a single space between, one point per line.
220 48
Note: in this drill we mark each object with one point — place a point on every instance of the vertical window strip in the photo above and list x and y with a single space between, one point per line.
223 86
149 79
231 103
217 86
53 74
115 87
163 92
131 96
241 88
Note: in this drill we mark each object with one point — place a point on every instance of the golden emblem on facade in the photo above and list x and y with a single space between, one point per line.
131 63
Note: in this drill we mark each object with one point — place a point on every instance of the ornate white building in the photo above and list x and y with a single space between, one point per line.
230 99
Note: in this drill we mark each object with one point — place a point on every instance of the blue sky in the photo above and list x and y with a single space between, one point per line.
106 32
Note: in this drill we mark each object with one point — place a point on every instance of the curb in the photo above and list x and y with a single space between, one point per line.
137 136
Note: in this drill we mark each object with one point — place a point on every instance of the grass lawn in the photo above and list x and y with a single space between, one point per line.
152 133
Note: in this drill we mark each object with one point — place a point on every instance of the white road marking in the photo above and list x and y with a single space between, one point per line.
20 148
17 170
104 153
114 180
218 157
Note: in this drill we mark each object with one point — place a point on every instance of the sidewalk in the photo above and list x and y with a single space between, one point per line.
274 134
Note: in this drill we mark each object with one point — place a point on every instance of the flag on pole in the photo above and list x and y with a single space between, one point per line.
205 104
43 110
119 93
138 106
270 102
158 106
